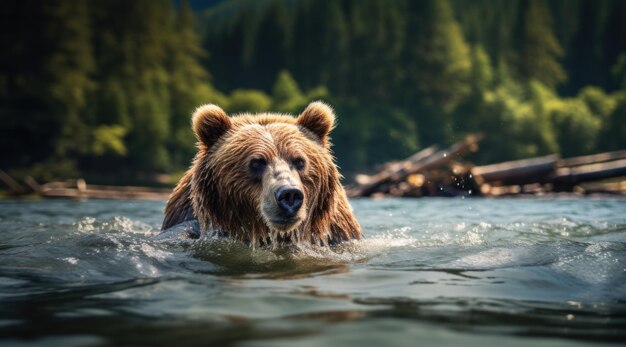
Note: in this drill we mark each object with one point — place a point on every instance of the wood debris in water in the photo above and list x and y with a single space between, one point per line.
79 189
430 172
434 172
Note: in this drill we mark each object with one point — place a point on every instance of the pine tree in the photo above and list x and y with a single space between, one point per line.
306 62
470 116
189 84
438 69
286 93
132 65
68 70
541 50
440 56
613 133
265 46
150 106
614 46
378 34
44 75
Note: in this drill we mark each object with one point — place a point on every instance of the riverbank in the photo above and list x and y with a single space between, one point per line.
428 172
79 189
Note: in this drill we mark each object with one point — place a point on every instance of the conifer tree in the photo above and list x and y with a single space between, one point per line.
438 69
132 57
286 93
614 46
378 35
541 50
68 69
189 84
439 55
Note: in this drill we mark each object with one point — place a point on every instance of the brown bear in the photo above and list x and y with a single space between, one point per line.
264 179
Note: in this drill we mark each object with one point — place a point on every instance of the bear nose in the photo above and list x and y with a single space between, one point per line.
289 199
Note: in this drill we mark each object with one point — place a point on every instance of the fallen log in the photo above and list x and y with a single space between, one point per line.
79 189
516 189
395 167
604 187
517 172
593 158
384 181
501 190
74 193
567 177
14 187
129 189
32 184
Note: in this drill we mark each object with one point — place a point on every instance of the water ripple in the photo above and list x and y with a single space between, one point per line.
445 270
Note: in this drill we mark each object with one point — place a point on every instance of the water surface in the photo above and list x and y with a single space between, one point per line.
465 272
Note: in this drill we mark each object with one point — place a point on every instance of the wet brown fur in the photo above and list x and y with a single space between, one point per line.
220 192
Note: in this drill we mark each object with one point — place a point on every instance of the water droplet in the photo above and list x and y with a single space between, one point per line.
71 260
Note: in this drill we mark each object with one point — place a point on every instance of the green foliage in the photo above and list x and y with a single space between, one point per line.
619 71
51 169
441 62
481 73
388 134
68 66
576 128
600 104
317 93
373 39
96 85
613 134
470 116
109 139
286 94
541 50
246 100
513 128
286 97
189 84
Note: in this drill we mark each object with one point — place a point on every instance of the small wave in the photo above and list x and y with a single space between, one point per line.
117 224
93 248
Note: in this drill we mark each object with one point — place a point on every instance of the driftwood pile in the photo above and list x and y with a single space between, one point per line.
429 172
433 172
596 173
79 189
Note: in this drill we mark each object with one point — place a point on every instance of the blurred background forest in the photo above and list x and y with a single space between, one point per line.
105 89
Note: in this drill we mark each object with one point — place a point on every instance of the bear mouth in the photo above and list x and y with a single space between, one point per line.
285 223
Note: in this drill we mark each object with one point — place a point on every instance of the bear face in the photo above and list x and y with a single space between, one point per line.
266 178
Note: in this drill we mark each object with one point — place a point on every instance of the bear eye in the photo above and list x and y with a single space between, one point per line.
258 165
299 163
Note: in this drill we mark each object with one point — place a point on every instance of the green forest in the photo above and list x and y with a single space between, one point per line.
106 88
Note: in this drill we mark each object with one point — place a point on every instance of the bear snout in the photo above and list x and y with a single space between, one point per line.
289 199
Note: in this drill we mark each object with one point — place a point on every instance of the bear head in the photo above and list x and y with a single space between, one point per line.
268 178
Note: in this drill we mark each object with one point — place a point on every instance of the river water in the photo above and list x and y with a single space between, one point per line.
468 272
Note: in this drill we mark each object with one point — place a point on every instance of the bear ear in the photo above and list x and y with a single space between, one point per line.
209 123
319 119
